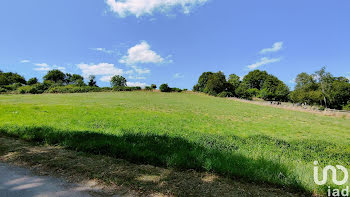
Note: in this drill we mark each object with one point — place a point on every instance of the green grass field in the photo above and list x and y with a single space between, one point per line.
185 131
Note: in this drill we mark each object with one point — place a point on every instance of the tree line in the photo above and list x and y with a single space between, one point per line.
320 88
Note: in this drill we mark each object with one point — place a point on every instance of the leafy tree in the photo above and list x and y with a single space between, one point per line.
216 83
154 86
74 79
56 76
11 78
274 89
164 88
32 81
255 79
202 82
242 91
234 80
118 80
92 81
339 93
325 80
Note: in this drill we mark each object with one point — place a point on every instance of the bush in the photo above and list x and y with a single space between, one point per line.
225 94
32 81
154 86
126 88
164 88
2 90
176 90
148 88
347 107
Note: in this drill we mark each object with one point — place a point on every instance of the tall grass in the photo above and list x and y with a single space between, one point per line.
186 131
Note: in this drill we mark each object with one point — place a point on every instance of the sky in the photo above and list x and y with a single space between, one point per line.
174 41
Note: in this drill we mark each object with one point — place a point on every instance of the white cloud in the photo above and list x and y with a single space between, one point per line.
133 84
105 70
25 61
263 61
147 7
178 76
141 53
275 47
47 67
103 50
136 77
141 71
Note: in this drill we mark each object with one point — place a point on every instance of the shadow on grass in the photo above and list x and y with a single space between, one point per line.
164 151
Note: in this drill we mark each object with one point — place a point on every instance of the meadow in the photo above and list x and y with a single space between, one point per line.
185 131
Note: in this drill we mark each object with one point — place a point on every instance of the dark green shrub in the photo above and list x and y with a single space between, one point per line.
164 88
347 107
148 88
154 86
32 81
176 90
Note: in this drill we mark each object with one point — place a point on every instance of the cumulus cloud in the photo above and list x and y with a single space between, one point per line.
25 61
47 67
275 47
105 70
178 76
133 84
263 61
148 7
141 53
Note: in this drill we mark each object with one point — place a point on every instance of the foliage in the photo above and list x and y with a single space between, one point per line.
32 81
10 78
92 81
216 83
126 88
149 88
154 86
202 82
118 81
274 89
242 91
164 88
56 76
255 79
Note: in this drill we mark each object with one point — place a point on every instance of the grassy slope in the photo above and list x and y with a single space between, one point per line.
185 130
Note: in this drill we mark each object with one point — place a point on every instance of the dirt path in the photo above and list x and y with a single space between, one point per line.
118 177
20 182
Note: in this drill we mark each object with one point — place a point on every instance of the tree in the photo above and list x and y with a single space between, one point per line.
164 88
154 86
339 93
92 81
11 78
74 79
274 89
234 82
255 79
32 81
55 76
325 80
216 83
118 80
202 82
242 91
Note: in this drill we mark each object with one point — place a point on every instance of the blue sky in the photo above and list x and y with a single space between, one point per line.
174 41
